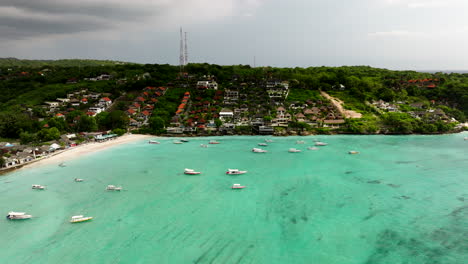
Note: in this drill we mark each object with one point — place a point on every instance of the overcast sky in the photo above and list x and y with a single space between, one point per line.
394 34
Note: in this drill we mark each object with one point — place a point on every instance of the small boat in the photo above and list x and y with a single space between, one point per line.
184 140
259 150
237 186
78 180
213 142
18 216
313 148
293 150
153 142
300 142
465 138
113 188
262 144
203 145
353 152
319 143
235 172
38 187
80 218
191 172
62 165
268 140
177 142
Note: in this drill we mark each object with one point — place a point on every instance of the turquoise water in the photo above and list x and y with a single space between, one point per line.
403 199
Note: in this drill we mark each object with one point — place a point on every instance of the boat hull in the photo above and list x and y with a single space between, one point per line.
81 220
192 173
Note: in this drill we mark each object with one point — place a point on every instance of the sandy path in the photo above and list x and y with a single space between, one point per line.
84 149
339 105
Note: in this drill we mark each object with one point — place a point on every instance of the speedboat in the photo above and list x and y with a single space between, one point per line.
113 188
259 150
237 186
78 180
268 140
262 144
184 140
319 143
38 187
300 142
353 152
313 148
153 142
203 145
213 142
80 218
293 150
191 172
177 142
235 172
18 216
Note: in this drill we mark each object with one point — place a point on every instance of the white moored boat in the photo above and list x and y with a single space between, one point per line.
313 148
113 188
213 142
80 218
191 172
18 216
235 172
38 187
184 140
353 152
259 150
78 180
203 145
237 186
268 140
300 142
177 142
293 150
153 142
262 144
319 143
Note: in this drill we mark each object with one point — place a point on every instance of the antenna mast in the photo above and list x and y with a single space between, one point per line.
181 55
185 50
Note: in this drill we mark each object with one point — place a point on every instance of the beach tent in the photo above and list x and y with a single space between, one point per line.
55 146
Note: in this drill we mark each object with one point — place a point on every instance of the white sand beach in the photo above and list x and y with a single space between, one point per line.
79 151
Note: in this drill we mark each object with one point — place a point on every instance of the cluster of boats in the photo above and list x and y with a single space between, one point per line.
229 172
24 216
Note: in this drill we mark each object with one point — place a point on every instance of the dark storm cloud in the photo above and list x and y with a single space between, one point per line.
26 18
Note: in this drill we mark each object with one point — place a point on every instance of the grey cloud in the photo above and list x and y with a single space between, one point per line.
45 17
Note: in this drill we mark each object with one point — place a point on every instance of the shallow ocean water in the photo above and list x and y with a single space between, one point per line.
402 199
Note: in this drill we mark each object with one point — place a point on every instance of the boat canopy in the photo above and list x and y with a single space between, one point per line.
77 216
189 170
16 213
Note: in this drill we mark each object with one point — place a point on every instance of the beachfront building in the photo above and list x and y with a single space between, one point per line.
277 89
226 114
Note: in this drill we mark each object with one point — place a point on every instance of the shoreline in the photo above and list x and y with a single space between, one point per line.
79 151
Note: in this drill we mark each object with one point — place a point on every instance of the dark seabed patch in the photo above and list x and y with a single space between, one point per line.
374 182
394 185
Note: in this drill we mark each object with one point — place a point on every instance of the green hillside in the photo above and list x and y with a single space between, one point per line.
14 62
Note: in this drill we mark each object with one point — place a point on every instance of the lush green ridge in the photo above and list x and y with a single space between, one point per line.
23 89
14 62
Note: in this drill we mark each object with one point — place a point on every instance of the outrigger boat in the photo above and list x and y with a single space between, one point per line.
353 152
191 172
213 142
235 172
262 144
80 218
78 180
319 143
293 150
237 186
313 148
38 187
113 188
153 142
259 150
18 216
